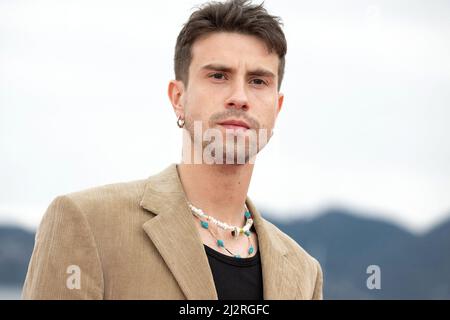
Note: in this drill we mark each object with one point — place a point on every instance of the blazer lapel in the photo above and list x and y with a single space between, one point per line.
280 276
175 236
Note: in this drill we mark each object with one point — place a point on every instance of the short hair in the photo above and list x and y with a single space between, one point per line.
238 16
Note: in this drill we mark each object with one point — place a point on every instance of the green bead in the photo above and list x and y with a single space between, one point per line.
247 233
247 214
250 250
220 243
204 224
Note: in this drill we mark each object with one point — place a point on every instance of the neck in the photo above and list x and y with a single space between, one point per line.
219 190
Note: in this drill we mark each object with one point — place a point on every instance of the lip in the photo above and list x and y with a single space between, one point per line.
235 124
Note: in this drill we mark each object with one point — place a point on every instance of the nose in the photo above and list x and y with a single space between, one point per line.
238 98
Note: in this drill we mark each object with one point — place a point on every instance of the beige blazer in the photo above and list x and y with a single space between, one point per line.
137 240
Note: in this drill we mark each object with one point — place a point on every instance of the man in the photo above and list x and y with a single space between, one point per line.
189 232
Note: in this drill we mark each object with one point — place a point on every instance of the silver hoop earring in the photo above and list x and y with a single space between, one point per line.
180 122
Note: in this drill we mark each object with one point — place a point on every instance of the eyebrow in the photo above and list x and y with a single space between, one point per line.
223 68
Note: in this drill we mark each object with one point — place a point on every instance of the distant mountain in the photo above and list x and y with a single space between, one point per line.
16 246
412 267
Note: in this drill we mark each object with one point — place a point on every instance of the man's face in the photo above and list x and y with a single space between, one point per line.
232 77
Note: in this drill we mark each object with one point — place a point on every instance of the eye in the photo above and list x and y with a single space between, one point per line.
217 76
258 82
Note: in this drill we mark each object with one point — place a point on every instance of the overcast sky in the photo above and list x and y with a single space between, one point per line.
365 123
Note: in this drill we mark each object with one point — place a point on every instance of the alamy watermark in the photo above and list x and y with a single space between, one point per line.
374 280
222 146
74 280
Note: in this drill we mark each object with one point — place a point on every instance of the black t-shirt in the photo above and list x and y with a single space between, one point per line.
236 278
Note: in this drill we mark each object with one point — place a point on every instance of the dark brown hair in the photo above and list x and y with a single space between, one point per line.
231 16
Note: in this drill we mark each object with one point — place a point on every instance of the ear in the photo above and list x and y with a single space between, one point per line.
280 102
175 92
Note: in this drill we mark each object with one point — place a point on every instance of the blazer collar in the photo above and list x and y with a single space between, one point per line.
176 237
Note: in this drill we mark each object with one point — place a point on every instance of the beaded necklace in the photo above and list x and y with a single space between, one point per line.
235 231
